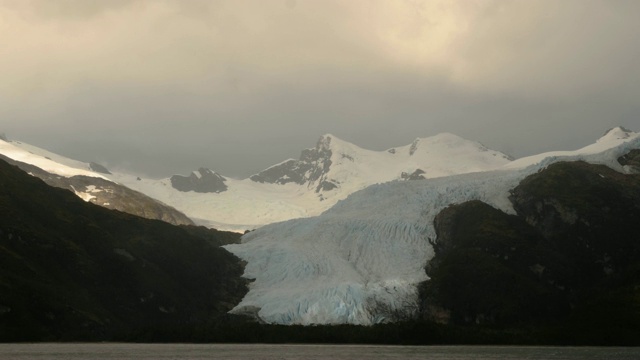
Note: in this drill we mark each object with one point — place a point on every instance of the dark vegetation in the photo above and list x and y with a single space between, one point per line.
70 270
564 270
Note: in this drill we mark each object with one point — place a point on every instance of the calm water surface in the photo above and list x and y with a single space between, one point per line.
333 352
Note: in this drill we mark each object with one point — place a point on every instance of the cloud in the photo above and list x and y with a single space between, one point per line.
121 70
490 45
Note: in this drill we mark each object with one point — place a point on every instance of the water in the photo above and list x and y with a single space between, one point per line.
333 352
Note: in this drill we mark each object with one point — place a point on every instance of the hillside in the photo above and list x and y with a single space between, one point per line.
72 270
87 181
569 256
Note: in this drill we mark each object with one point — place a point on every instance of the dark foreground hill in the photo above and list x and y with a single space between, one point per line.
71 270
568 262
564 270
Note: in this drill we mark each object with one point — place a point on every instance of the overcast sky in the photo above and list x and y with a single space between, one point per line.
165 86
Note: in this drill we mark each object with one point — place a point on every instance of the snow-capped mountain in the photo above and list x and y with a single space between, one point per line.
352 261
318 179
360 261
89 181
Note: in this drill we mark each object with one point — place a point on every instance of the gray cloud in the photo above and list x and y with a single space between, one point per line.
166 86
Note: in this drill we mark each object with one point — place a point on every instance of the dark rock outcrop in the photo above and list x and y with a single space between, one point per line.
98 168
631 161
201 181
416 175
572 254
310 169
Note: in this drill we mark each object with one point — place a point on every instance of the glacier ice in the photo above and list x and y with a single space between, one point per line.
360 261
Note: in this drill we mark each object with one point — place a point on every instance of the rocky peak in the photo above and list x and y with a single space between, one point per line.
616 133
324 143
310 169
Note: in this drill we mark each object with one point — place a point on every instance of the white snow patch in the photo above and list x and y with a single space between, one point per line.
84 196
45 160
93 189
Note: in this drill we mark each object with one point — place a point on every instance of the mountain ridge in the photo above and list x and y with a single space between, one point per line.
320 177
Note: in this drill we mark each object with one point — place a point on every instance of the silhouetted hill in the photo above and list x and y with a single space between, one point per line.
569 260
71 270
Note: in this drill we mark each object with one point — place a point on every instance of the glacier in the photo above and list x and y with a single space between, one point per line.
360 261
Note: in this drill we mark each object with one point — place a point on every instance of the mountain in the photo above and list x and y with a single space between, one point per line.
335 164
72 270
87 181
318 179
362 261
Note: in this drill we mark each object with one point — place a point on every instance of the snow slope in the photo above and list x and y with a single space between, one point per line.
89 181
359 262
277 196
45 160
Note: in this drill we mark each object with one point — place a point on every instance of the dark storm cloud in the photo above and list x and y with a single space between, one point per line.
161 87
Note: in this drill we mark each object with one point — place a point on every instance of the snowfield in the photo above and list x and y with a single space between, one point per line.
247 204
45 160
360 261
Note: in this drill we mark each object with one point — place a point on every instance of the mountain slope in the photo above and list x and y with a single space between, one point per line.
73 270
321 177
570 255
87 181
360 261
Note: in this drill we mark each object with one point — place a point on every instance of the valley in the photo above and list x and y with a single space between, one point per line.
395 251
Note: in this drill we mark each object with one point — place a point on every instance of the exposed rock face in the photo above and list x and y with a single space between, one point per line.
631 161
98 168
310 169
572 252
416 175
201 181
108 194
